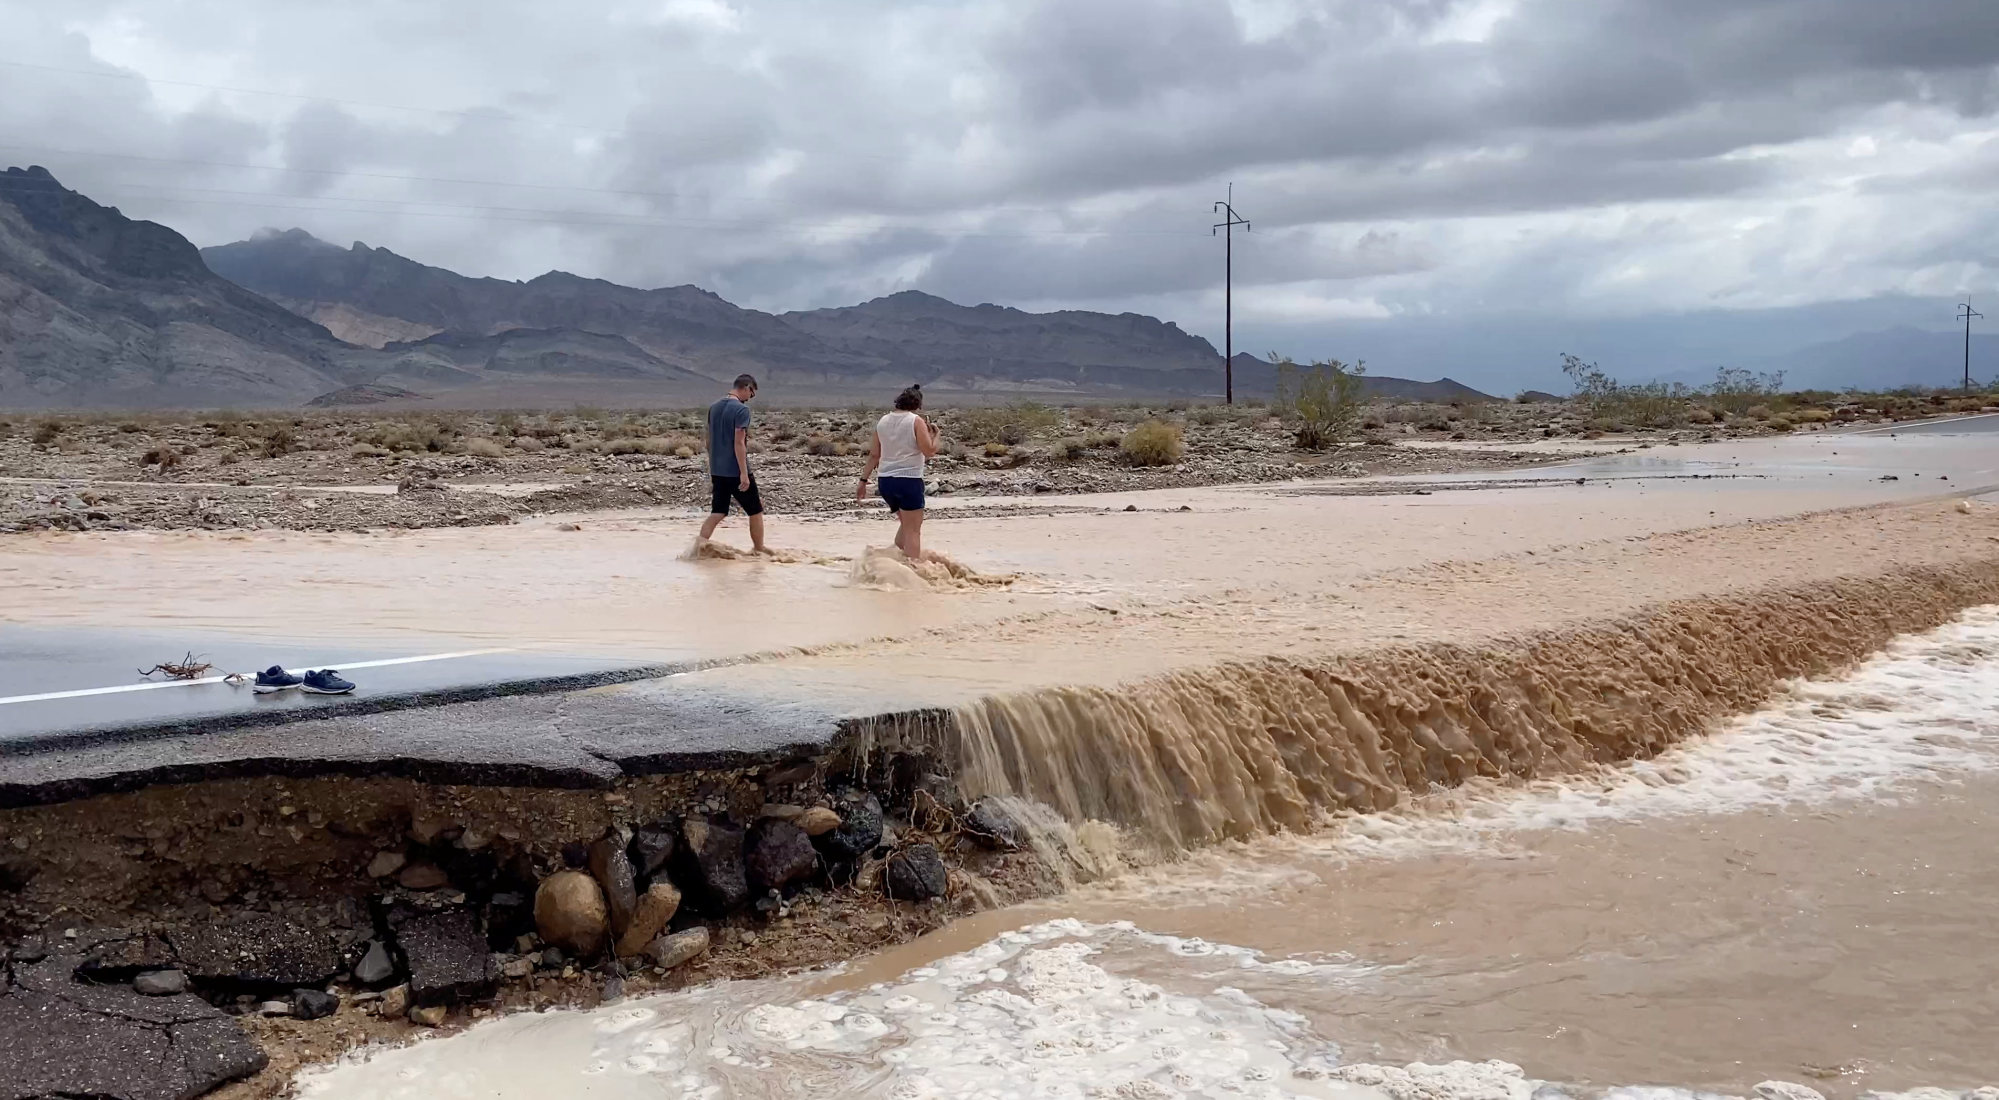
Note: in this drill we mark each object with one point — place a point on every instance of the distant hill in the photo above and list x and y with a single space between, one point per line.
100 309
1884 360
374 296
1257 379
988 347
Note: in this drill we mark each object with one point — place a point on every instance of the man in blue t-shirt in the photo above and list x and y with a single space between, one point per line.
729 462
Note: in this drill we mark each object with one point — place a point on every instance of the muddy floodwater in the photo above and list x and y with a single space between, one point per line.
1804 895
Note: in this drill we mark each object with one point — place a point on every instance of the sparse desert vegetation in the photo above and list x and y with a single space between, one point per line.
336 469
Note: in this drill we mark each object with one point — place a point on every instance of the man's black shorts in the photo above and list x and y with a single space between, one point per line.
725 487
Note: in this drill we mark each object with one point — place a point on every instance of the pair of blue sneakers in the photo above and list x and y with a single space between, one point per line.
318 681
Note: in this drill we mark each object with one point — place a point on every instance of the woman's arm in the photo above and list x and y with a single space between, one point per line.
874 460
926 438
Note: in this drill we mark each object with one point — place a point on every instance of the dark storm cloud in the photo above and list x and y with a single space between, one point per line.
1419 156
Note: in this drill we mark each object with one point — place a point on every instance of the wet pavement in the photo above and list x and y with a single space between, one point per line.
69 685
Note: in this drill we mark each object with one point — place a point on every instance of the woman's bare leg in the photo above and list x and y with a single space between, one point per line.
910 538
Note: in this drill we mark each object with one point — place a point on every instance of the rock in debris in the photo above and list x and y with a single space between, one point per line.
656 907
613 870
447 956
395 1001
423 876
65 1037
711 861
668 952
428 1016
386 862
860 827
651 847
991 826
916 874
160 983
818 821
313 1004
569 913
779 854
275 1008
375 966
1786 1090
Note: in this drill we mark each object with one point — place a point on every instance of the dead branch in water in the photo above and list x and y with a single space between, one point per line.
189 667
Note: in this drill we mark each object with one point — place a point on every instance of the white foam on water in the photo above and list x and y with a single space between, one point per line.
1925 708
1047 1012
1038 1012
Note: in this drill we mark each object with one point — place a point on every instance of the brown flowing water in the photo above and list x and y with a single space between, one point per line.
1802 894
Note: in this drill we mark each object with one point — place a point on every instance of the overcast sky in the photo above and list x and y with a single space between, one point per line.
1414 162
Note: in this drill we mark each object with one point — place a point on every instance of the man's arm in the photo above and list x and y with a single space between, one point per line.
874 463
743 459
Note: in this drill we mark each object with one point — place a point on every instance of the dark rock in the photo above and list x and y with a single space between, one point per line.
269 949
651 847
860 826
376 967
66 1038
992 827
160 983
312 1004
575 854
16 872
791 774
915 874
780 854
509 915
612 869
447 956
710 859
119 953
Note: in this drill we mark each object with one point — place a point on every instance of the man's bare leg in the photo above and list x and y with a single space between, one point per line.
757 534
708 525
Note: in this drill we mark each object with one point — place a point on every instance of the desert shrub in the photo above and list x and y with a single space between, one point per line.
1322 399
370 450
996 450
1153 443
46 433
481 447
131 427
408 436
508 424
1654 405
1072 449
1780 424
166 458
1010 424
527 444
1700 415
1812 416
278 442
1734 391
1759 412
819 445
650 445
1104 441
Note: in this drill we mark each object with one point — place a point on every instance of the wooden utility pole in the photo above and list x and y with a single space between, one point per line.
1227 229
1965 314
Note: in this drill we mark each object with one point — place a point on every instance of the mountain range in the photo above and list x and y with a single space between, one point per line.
101 310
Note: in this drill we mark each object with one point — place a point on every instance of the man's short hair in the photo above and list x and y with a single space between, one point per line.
746 382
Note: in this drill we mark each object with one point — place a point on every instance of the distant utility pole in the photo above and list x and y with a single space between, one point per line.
1965 314
1227 230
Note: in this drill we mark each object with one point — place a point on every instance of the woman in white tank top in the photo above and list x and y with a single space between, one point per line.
903 440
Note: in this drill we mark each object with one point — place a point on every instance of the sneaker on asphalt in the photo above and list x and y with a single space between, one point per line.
275 678
325 681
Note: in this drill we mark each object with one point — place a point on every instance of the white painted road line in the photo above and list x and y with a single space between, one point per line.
154 684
